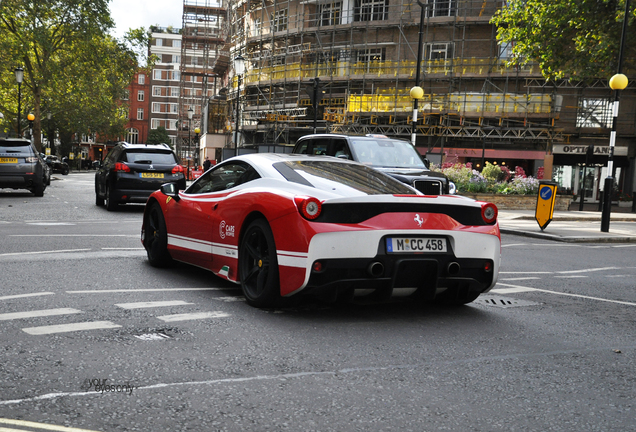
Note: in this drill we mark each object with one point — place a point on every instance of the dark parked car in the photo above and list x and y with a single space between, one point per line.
395 157
21 166
57 166
131 172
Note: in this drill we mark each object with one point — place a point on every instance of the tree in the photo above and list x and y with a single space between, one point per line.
576 39
72 67
158 136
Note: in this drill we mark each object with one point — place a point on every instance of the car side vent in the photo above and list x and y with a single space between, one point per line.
429 187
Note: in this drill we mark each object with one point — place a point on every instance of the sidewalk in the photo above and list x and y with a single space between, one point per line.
572 226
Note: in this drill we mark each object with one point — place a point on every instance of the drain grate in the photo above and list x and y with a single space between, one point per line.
503 302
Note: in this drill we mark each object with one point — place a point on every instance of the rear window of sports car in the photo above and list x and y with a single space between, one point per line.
329 175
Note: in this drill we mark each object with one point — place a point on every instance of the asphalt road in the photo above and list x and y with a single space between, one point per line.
94 338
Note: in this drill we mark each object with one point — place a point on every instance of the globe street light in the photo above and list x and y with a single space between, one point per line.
417 92
190 114
617 83
197 131
19 76
239 69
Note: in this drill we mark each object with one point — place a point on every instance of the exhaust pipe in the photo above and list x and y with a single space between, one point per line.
453 269
376 269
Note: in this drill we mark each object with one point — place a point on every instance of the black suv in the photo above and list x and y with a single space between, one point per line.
131 172
397 158
21 166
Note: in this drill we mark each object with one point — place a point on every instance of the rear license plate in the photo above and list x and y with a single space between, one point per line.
151 175
9 160
415 245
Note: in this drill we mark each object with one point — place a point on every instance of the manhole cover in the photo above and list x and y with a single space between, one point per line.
503 302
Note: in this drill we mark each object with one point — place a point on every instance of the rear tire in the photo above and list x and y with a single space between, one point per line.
258 266
98 200
111 204
156 237
38 190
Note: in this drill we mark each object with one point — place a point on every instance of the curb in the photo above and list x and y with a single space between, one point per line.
569 239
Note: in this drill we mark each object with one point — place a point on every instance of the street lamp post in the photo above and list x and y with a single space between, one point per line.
190 115
239 69
19 76
417 92
617 83
197 131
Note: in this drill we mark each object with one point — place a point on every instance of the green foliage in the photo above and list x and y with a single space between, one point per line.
158 136
491 172
576 39
72 67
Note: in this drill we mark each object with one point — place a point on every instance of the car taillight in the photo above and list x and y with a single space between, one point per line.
121 167
31 159
310 208
177 169
489 212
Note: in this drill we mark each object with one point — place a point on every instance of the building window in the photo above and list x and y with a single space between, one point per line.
132 136
594 113
126 95
505 50
371 10
329 13
279 20
439 51
140 113
258 25
176 59
442 8
158 42
176 44
141 79
140 95
370 59
174 91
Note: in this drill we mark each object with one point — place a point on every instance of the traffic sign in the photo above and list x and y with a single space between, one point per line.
545 203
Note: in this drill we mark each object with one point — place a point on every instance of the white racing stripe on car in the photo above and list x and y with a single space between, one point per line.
189 243
292 259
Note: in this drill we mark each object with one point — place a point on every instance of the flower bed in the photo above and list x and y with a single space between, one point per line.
498 185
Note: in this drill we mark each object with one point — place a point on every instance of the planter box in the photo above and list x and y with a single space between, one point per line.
520 202
624 203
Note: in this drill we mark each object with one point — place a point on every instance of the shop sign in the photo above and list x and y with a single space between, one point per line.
582 149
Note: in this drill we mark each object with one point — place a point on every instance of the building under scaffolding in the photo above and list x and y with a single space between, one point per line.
203 36
475 108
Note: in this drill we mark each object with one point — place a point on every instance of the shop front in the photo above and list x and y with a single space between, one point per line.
578 172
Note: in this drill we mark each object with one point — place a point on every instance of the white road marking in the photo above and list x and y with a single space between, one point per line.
193 316
63 328
588 270
229 299
151 304
568 294
140 248
145 290
571 277
45 426
11 297
38 313
510 290
521 278
49 223
531 272
44 252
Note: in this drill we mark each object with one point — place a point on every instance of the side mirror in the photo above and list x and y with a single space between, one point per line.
171 190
